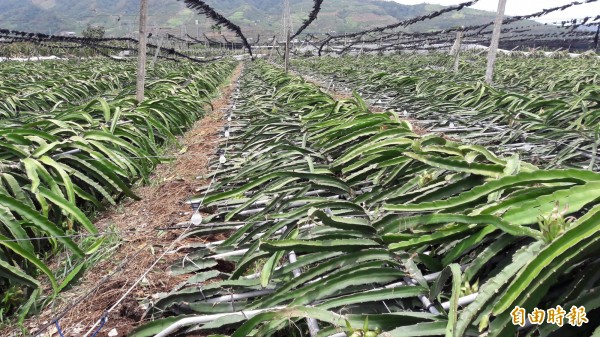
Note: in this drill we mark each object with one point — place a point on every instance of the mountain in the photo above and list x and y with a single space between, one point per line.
254 16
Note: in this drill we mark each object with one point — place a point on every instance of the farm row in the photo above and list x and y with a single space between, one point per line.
37 87
347 222
61 164
548 109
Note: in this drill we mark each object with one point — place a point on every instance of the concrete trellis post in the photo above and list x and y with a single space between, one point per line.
141 71
457 48
493 52
157 51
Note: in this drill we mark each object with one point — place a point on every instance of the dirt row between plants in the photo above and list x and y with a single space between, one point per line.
162 204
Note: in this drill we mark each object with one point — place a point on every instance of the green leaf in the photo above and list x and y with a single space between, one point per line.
420 329
266 272
17 275
154 327
72 276
493 171
356 224
456 292
524 178
5 241
576 233
70 208
490 289
345 245
572 200
40 222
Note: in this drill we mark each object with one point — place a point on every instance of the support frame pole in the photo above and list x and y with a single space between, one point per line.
143 38
493 51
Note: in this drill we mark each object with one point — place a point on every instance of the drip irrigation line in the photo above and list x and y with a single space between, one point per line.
221 155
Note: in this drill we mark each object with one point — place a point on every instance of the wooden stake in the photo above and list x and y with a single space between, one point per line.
141 71
493 52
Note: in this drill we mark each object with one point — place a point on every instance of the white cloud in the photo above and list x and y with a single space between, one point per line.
522 7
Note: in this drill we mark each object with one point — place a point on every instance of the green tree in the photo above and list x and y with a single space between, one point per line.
96 32
216 28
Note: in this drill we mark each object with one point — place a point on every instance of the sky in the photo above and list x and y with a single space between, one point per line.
521 7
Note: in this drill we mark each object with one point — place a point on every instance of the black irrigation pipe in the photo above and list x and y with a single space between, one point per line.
213 43
403 23
205 9
449 38
194 40
94 44
577 22
442 43
480 28
396 37
235 45
173 37
311 17
409 22
41 37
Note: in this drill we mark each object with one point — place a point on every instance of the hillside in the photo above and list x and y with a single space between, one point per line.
254 16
